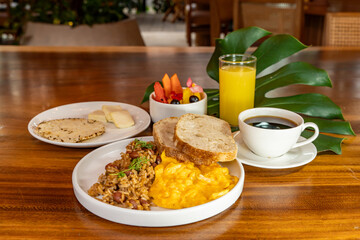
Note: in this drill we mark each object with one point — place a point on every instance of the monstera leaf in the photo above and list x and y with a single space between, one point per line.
314 107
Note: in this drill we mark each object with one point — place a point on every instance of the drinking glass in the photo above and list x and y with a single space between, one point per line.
237 74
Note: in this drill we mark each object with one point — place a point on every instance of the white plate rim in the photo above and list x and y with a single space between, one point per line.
309 148
164 218
128 133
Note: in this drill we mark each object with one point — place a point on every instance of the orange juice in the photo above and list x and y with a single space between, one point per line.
237 91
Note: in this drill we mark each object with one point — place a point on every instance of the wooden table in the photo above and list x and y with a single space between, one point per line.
318 201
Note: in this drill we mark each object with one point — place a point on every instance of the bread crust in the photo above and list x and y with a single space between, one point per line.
157 127
212 156
170 148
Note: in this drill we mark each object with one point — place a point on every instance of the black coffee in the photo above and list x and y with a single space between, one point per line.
270 122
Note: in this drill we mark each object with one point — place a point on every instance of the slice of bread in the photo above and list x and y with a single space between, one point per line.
163 132
206 137
72 130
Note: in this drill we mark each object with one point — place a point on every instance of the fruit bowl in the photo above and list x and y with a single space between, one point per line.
159 110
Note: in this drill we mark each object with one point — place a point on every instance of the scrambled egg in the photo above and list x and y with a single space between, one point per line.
181 185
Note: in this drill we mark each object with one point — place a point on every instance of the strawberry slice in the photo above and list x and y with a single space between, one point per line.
159 93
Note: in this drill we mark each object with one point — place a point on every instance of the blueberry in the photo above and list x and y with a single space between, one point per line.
174 101
193 99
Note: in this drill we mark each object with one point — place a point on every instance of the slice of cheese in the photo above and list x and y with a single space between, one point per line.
122 119
108 109
97 115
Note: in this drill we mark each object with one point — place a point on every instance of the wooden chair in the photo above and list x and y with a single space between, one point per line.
197 18
276 16
342 29
221 18
213 18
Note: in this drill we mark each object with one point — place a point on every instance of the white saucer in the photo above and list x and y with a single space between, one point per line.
294 158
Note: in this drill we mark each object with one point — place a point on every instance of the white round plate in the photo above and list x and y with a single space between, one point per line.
81 110
294 158
92 165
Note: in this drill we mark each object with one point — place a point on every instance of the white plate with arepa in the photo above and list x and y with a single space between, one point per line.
81 110
92 165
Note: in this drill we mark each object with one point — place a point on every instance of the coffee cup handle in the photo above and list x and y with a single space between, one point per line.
312 138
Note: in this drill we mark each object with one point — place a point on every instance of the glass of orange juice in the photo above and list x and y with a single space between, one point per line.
237 73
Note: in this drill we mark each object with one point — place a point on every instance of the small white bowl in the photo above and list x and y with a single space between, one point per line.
160 110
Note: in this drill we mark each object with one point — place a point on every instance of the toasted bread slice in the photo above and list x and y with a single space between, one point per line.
72 130
163 132
206 137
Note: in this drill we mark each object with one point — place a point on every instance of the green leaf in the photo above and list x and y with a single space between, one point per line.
325 142
234 128
213 99
236 42
292 73
148 91
211 92
331 126
213 110
316 107
245 37
275 49
311 104
213 65
212 102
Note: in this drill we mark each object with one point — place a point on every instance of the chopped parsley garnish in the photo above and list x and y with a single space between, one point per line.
135 164
143 144
120 174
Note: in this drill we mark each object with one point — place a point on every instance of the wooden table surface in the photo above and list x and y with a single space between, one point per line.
318 201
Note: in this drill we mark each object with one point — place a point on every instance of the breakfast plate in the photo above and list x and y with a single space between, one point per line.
81 110
294 158
92 165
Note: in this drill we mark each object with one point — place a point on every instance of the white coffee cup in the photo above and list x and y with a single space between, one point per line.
273 142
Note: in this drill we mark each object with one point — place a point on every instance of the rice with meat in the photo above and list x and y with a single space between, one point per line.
127 181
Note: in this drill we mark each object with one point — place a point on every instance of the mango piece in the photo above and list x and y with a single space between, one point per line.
198 95
186 95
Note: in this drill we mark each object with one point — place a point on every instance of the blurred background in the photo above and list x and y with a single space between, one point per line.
174 22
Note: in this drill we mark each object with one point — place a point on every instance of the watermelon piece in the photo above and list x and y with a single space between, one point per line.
167 85
159 93
175 84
